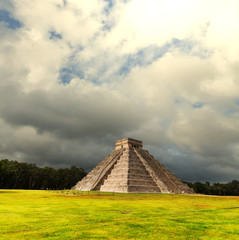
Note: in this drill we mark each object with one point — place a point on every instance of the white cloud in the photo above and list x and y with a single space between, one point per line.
163 71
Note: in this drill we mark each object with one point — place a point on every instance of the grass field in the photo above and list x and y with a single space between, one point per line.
58 215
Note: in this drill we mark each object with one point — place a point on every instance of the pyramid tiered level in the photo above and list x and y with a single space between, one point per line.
130 168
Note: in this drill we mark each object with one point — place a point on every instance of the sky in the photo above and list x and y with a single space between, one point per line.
75 76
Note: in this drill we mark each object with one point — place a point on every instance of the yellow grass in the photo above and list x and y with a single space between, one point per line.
26 214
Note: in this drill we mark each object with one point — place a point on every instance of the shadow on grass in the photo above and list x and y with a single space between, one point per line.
8 191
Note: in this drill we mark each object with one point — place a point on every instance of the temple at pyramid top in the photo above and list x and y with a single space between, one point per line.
128 142
130 168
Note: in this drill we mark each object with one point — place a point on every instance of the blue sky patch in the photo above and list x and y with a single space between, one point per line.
198 104
143 57
107 26
109 6
66 74
233 111
64 3
6 16
150 54
237 102
187 46
71 69
54 35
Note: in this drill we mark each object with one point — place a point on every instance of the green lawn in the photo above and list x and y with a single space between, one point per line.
56 215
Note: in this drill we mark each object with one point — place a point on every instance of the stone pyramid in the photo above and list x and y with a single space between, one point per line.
130 168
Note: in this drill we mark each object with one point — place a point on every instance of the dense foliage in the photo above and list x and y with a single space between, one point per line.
223 189
20 175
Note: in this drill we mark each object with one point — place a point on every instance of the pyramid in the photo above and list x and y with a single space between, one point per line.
131 169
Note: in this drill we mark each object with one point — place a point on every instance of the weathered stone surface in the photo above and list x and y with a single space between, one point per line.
130 168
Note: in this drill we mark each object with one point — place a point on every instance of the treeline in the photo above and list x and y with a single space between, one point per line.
221 189
20 175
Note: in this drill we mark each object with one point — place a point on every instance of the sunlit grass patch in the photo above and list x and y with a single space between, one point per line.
72 214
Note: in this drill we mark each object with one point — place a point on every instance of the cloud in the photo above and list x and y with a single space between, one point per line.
76 77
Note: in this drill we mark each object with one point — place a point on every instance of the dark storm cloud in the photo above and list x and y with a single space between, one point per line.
61 128
71 116
191 167
25 144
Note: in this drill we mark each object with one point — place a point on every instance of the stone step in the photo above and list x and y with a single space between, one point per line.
98 173
143 189
111 181
129 175
140 176
142 182
139 171
159 171
114 188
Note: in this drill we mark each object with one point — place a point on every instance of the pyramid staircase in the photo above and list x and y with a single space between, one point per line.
129 168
